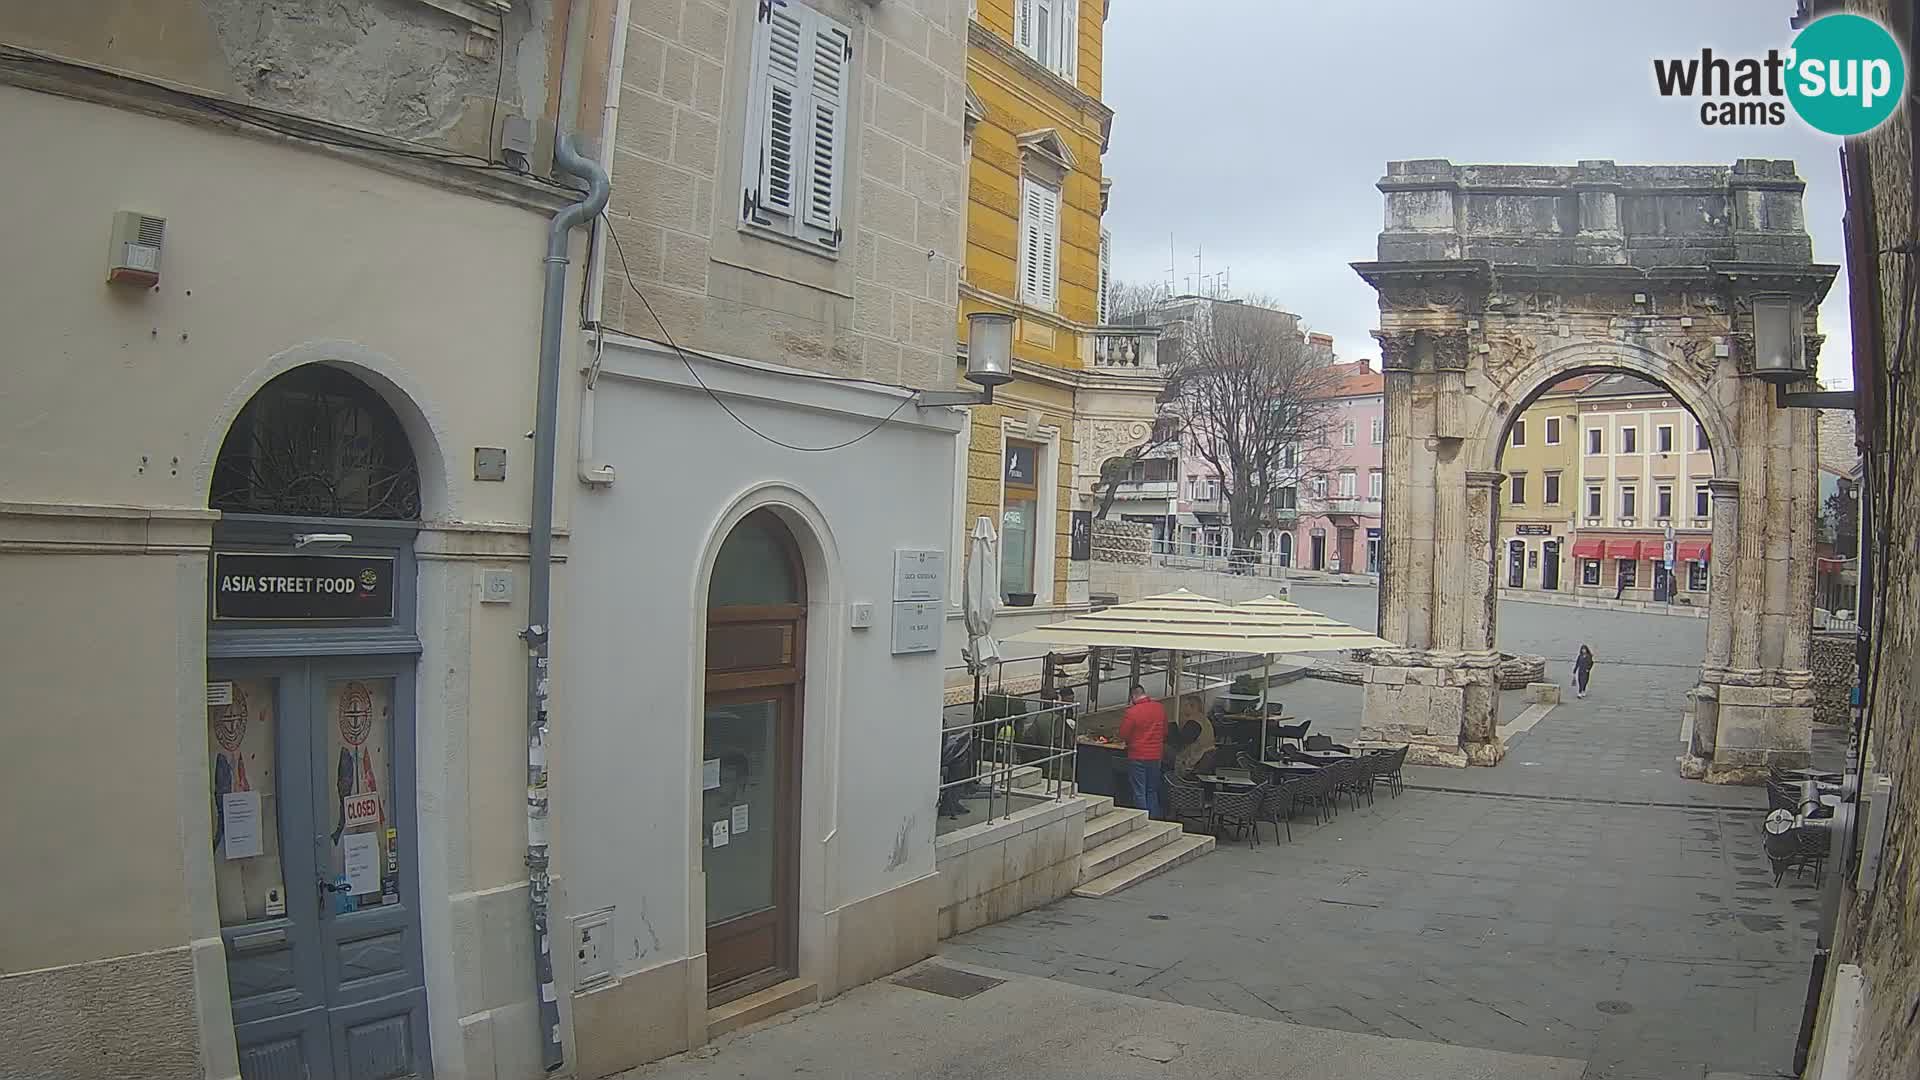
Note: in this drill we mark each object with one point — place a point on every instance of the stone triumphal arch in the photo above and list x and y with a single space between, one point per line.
1496 281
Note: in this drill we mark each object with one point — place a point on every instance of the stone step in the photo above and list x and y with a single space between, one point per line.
1146 838
755 1007
1185 849
1111 826
1022 777
1097 805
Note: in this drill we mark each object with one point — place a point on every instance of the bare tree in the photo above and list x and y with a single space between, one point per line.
1133 303
1252 398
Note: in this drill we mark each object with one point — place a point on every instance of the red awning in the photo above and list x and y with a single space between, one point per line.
1588 549
1623 549
1827 565
1692 550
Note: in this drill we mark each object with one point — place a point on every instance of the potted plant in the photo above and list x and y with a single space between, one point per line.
1020 599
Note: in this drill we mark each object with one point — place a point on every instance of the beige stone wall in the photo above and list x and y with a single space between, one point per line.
997 870
885 306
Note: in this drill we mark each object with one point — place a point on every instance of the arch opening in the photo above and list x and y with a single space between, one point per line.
317 441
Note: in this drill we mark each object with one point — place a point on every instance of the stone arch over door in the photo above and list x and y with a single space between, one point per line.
1496 282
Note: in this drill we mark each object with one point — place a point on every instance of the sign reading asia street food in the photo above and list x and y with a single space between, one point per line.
302 587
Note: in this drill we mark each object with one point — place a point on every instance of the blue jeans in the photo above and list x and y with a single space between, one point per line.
1145 776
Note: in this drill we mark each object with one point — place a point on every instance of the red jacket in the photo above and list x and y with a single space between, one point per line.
1144 729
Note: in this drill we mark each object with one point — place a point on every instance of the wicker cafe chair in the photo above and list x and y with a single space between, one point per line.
1390 769
1801 848
1316 790
1239 811
1782 794
1277 808
1187 801
1351 778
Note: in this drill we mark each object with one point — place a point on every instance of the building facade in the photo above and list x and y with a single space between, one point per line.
1034 197
751 681
1644 467
275 333
1538 503
1338 498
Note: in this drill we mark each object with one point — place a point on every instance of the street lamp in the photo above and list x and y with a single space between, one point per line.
989 361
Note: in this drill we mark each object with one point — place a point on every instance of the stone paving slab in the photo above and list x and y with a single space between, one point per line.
1043 1029
1590 905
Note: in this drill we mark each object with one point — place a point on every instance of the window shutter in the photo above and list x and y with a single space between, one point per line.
1023 24
1106 255
1069 46
1050 249
773 145
1031 216
829 63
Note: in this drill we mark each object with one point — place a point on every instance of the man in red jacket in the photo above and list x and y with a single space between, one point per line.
1144 730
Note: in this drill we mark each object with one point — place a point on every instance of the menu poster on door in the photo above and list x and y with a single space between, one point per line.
242 725
358 715
240 813
363 863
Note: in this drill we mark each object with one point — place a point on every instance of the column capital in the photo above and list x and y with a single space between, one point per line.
1724 488
1489 480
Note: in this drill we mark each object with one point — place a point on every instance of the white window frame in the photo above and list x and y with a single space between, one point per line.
1349 483
1039 265
1663 439
1046 482
1519 435
1550 488
1663 493
1347 433
1702 501
1286 498
1379 431
810 209
1553 431
1376 483
1517 489
1629 439
1596 441
1590 572
1596 501
1700 436
1696 576
1049 31
1629 502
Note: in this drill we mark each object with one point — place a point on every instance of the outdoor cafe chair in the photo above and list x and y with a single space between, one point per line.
1296 732
1386 766
1187 801
1277 808
1350 777
1316 789
1239 811
1803 847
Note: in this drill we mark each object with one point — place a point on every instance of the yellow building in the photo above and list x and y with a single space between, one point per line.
1541 493
1035 130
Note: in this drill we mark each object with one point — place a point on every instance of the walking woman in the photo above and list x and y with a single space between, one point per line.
1582 671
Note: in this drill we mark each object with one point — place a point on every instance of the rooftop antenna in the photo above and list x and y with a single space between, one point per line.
1172 261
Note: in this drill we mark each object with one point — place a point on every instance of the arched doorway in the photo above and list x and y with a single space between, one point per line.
1497 281
1286 549
751 757
311 647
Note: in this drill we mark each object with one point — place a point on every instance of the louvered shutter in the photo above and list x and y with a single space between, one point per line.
1106 255
1050 249
1069 59
1023 24
828 70
774 147
1033 216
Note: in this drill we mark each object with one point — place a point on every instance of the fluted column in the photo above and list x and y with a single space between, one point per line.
1397 512
1803 507
1480 591
1749 584
1720 567
1453 590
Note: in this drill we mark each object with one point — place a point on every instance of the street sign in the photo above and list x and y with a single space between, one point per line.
1666 551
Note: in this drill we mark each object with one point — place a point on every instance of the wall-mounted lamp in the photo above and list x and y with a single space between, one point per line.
301 540
989 362
1780 358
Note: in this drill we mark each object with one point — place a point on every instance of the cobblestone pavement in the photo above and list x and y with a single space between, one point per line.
1580 901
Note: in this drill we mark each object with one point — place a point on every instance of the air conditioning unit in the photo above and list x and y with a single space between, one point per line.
134 257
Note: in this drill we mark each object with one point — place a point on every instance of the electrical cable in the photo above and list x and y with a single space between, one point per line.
1883 556
627 272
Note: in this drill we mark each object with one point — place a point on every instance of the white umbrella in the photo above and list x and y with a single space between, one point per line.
981 597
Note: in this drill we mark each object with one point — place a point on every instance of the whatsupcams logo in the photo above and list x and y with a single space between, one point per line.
1844 75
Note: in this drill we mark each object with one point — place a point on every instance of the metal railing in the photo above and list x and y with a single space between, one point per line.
1001 757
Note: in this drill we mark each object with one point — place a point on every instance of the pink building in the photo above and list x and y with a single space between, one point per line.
1338 498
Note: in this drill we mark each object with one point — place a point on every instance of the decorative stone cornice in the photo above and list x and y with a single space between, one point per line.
1723 488
1488 480
979 37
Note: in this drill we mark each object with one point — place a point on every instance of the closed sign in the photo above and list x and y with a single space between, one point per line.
361 810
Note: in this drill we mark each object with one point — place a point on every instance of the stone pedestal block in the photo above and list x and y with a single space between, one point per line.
1758 726
1417 707
1543 693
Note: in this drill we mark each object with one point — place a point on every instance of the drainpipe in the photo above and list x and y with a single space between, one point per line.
540 583
595 474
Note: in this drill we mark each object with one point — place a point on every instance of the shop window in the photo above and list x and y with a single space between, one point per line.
1697 576
317 442
1590 571
1019 517
1627 572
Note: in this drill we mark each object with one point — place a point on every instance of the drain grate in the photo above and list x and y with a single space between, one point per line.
946 981
1614 1008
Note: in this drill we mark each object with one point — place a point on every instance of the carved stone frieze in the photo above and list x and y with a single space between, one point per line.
1508 353
1697 354
1396 350
1450 350
1103 439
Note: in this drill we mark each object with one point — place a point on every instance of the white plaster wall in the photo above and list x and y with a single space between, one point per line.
629 647
113 399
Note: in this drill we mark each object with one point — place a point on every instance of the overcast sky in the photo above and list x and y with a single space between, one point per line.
1257 128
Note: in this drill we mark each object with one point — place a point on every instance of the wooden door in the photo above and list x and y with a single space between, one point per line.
750 763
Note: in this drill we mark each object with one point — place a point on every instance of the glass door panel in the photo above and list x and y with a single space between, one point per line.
744 830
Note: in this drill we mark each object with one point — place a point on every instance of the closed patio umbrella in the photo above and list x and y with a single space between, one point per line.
980 598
